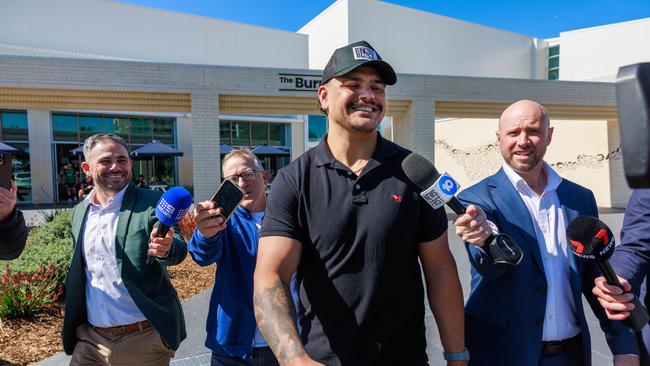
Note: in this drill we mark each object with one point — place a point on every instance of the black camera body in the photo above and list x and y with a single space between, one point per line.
633 97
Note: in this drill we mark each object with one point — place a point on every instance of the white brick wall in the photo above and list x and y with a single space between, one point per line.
40 157
184 144
205 143
415 130
422 126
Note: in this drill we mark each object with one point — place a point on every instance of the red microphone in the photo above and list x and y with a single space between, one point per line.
592 241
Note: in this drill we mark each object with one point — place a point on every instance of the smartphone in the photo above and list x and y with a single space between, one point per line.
5 170
228 197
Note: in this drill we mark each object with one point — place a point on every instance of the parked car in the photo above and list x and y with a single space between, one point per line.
23 179
17 163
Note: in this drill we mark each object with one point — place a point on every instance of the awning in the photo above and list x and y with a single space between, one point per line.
155 148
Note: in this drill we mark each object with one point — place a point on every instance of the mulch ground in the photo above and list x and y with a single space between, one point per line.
26 341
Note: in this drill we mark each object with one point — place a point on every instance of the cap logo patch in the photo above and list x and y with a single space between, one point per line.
364 53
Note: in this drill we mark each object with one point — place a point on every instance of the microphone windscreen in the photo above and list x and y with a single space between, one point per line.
420 170
173 205
590 239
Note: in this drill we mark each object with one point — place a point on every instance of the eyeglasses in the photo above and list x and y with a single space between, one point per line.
247 175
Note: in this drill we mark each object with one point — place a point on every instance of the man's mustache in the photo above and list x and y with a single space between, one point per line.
358 102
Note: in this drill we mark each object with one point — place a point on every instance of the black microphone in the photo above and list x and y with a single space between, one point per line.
592 241
439 190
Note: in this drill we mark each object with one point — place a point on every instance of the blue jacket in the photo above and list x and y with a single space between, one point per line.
506 307
231 322
631 259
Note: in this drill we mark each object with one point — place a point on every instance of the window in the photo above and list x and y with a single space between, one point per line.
251 134
137 131
141 130
69 131
317 126
90 125
65 127
279 134
554 62
14 126
14 132
241 134
259 134
164 130
224 133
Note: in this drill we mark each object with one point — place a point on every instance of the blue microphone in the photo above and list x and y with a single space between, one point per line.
170 210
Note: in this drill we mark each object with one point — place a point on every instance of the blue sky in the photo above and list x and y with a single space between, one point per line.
543 19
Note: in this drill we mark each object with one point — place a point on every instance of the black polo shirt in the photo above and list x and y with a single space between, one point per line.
361 291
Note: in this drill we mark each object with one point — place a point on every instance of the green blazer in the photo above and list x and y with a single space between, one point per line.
148 285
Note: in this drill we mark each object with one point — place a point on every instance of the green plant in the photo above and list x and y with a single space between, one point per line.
23 295
49 243
49 215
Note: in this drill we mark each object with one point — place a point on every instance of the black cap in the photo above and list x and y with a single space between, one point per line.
348 58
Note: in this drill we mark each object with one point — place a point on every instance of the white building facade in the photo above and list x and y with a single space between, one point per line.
70 68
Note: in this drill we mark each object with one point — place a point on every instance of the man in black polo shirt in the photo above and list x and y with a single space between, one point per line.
349 222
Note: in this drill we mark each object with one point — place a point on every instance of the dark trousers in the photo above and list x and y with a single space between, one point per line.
262 356
570 355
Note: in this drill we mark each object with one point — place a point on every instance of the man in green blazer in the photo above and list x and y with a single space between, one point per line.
118 308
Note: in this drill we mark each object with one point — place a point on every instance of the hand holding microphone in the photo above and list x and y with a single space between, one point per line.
592 241
439 190
170 210
473 226
617 301
160 246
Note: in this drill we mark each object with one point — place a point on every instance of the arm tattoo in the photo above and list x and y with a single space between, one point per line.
276 319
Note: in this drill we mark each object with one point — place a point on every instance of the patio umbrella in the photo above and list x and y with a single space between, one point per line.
153 149
77 151
7 149
266 150
224 149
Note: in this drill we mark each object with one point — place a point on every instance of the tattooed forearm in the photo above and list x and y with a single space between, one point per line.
275 315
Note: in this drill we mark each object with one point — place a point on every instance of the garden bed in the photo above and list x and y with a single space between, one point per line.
26 341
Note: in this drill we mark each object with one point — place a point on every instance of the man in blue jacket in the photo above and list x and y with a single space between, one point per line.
631 261
12 225
531 314
233 336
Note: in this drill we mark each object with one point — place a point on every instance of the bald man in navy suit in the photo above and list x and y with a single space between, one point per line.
531 314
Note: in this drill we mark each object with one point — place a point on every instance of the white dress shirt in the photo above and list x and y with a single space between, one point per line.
560 320
107 300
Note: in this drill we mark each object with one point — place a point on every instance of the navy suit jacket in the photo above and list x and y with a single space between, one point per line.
505 310
631 259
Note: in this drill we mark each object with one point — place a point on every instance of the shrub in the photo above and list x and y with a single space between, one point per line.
23 295
49 243
49 215
36 278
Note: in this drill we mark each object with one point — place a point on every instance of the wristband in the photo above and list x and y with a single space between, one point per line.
456 356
